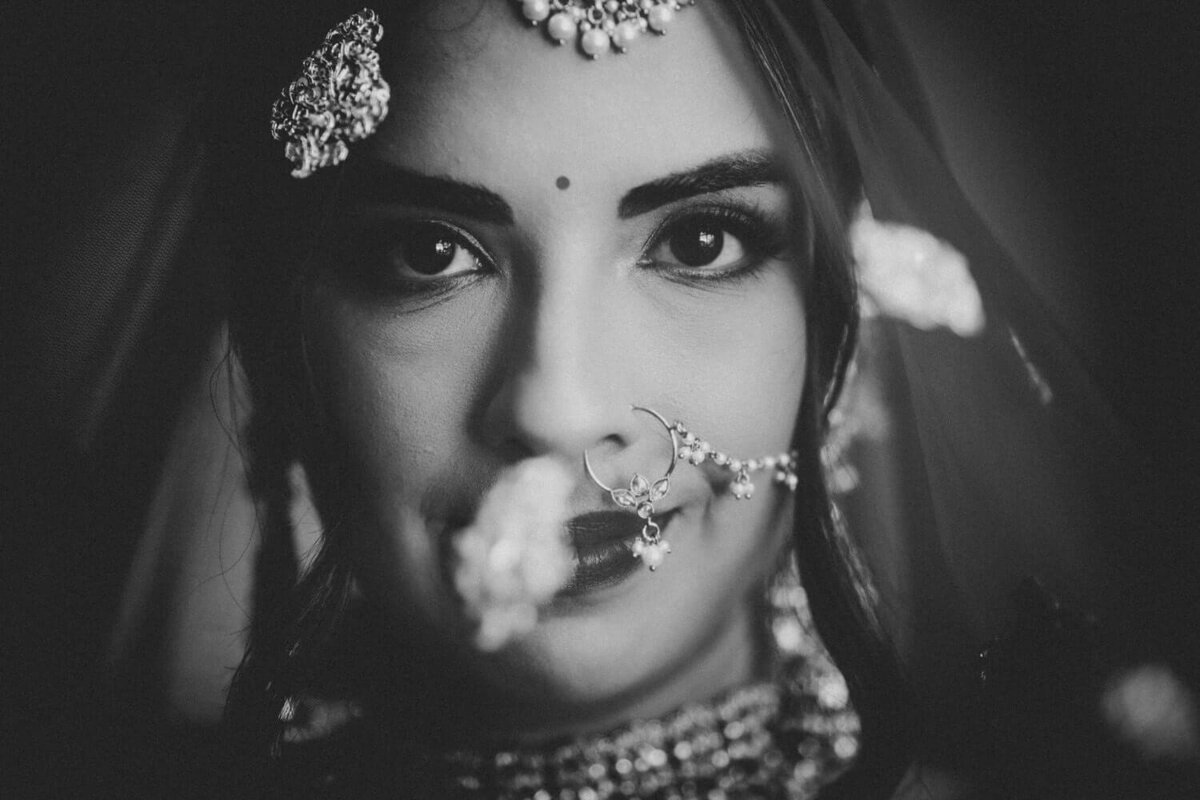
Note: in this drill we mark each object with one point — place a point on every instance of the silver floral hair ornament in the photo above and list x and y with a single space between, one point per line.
339 98
602 25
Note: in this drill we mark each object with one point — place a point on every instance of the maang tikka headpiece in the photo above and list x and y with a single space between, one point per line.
602 25
339 98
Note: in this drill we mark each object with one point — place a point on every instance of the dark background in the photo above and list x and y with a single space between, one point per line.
1071 124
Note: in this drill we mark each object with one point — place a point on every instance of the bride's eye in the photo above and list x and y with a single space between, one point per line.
711 244
433 250
418 258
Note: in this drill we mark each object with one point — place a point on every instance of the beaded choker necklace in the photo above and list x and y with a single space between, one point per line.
784 738
767 740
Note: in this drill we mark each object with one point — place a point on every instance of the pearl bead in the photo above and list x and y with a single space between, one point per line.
595 42
535 10
660 17
561 27
653 556
625 34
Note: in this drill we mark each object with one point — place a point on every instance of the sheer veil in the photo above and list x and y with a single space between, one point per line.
998 454
989 481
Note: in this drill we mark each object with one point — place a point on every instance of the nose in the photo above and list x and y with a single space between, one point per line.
561 384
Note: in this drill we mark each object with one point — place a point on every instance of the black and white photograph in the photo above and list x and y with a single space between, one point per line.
600 399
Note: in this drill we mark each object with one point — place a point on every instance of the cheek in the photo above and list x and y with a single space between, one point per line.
737 370
396 408
393 394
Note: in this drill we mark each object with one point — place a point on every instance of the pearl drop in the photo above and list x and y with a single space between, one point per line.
625 34
660 17
697 457
595 42
536 10
653 556
561 27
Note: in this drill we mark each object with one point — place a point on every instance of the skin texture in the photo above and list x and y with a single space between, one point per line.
540 348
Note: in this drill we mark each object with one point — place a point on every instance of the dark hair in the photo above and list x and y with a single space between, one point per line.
296 618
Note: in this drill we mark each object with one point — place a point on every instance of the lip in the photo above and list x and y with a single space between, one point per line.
603 548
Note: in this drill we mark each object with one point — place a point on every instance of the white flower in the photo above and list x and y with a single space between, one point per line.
911 275
516 554
1149 707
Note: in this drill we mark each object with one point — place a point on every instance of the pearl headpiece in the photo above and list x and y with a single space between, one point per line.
602 25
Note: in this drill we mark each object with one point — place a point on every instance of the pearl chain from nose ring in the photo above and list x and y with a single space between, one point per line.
696 451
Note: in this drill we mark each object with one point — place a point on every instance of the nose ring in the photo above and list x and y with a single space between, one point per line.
641 496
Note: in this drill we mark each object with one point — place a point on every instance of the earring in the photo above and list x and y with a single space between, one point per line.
640 497
696 451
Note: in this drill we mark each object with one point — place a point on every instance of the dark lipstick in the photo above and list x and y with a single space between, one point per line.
603 547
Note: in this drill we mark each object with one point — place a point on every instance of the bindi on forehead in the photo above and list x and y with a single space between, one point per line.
563 182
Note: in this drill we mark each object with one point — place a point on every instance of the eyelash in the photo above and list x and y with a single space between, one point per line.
370 268
761 237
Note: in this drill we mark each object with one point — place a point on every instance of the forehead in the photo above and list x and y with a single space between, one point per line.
478 95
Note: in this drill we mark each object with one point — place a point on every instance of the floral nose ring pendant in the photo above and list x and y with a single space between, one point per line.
640 497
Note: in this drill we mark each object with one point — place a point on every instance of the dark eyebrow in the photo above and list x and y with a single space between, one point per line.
751 168
378 181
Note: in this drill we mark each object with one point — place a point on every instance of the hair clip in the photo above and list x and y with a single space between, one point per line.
339 98
601 25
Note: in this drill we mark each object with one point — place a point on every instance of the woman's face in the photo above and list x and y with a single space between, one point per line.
537 242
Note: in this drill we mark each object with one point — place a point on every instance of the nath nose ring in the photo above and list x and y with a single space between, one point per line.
641 496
